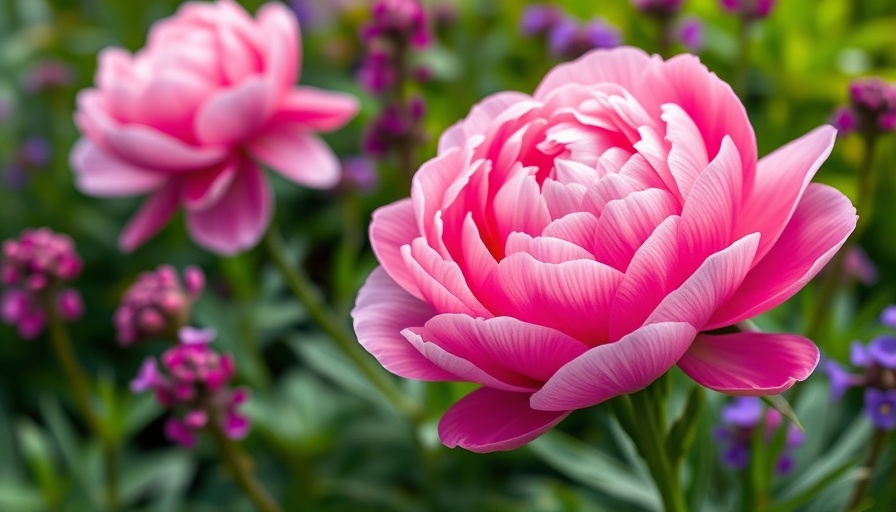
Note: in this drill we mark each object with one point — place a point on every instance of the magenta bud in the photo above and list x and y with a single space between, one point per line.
31 324
151 321
194 279
171 301
36 282
70 304
196 419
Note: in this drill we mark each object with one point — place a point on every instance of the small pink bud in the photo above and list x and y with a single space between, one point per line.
194 279
36 282
180 433
70 303
151 321
194 336
196 419
31 324
171 301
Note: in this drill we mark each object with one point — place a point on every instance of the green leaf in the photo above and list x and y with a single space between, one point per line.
681 436
322 355
847 447
20 497
595 469
39 454
845 473
780 404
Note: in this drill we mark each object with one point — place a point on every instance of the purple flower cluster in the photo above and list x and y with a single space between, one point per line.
399 20
393 126
567 37
157 304
871 109
194 386
750 9
665 8
877 361
740 419
34 269
396 26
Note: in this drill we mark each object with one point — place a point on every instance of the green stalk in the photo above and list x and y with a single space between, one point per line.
643 412
80 387
874 451
240 467
307 293
742 66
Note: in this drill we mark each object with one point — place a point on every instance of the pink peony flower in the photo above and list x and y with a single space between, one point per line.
571 246
190 117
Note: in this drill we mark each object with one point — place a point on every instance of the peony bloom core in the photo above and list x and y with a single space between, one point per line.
189 118
573 245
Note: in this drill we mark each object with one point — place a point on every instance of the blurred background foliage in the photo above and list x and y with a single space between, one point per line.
322 438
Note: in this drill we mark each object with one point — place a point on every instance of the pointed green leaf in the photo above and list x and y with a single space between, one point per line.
780 404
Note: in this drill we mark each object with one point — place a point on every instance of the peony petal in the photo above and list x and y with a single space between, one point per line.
392 227
579 228
489 420
610 188
707 218
482 115
561 200
239 219
441 282
463 369
298 155
505 345
201 189
709 102
626 223
98 173
623 66
283 56
687 157
614 369
317 109
152 216
709 287
822 222
233 115
383 309
781 180
572 297
546 249
151 149
518 206
650 276
750 363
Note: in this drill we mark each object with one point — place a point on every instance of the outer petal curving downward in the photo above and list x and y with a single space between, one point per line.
750 363
239 218
619 368
381 312
489 420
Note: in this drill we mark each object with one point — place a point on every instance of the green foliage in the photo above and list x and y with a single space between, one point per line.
323 438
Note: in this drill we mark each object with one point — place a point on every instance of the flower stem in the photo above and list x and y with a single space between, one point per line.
80 387
874 451
641 415
308 295
742 69
828 288
240 466
664 35
406 147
